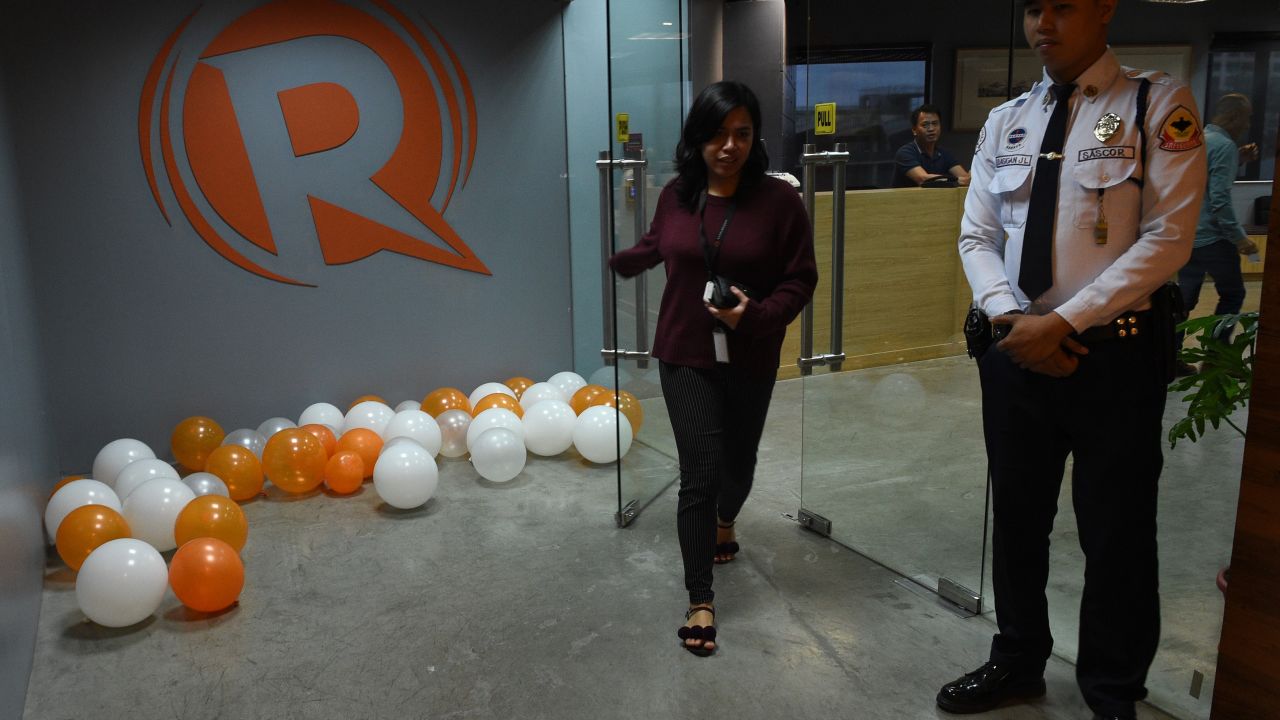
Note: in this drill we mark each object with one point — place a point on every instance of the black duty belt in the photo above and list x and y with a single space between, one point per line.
1129 326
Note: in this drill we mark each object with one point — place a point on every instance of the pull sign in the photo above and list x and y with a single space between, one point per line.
824 119
624 127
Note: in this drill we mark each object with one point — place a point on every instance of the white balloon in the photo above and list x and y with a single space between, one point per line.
409 405
152 509
548 427
405 477
203 483
487 389
121 582
321 413
271 426
112 458
251 440
140 471
498 454
75 494
416 424
567 382
599 431
494 418
453 426
538 392
371 415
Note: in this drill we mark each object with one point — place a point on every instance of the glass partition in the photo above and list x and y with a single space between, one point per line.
647 42
893 459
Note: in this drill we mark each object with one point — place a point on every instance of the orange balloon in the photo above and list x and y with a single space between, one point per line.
362 398
64 481
446 398
193 439
363 442
588 396
212 516
499 400
518 385
630 406
206 574
239 468
84 529
294 460
344 472
324 435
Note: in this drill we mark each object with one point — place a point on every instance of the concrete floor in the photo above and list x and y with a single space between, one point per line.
524 601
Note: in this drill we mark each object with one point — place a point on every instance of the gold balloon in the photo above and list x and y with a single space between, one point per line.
588 396
294 460
212 516
193 439
630 406
239 468
441 399
518 385
498 400
84 529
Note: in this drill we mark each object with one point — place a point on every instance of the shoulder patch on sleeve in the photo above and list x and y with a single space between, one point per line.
1180 131
982 137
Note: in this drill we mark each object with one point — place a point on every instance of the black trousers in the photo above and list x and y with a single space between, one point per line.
717 416
1107 415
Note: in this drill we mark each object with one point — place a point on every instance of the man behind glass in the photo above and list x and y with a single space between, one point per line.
922 159
1220 238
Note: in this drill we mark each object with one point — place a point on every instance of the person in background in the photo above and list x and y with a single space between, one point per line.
1220 238
721 217
923 159
1084 201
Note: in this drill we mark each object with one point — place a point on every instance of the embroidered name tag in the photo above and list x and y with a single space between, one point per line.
1007 160
1100 153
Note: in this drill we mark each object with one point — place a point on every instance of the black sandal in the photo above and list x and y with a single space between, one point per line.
698 632
730 548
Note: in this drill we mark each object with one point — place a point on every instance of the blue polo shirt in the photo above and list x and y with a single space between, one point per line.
910 156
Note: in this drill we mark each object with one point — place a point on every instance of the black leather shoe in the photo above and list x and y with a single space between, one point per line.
1096 716
989 687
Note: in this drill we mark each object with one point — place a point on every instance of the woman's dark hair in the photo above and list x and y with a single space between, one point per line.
704 120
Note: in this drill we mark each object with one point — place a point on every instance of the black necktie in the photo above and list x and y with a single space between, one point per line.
1036 274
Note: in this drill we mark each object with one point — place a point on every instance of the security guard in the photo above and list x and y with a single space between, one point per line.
1084 201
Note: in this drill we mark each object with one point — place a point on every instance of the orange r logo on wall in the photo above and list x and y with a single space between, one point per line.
318 117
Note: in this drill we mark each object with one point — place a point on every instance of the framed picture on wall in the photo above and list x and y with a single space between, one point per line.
982 73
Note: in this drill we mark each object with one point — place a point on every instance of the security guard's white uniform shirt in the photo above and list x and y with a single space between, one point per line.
1150 226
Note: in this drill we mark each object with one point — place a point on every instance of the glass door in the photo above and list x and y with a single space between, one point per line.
647 50
893 461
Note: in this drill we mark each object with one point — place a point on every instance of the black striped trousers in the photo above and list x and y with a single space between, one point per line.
717 417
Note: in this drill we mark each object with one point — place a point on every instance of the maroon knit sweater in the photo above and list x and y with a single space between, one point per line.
767 248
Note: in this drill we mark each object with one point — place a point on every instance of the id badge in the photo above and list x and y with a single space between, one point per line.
721 342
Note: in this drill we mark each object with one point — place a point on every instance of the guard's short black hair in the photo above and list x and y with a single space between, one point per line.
925 108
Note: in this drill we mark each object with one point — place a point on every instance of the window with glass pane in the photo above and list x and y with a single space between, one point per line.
1249 63
875 91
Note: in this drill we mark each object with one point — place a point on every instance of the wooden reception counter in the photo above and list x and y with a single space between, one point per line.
905 294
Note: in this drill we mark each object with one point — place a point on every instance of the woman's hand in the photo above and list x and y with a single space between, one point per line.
729 316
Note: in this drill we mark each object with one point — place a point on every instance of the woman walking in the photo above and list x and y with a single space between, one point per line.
739 260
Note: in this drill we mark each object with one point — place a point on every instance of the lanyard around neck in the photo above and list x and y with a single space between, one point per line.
711 250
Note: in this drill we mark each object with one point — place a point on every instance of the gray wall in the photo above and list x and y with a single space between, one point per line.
144 324
985 23
27 468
